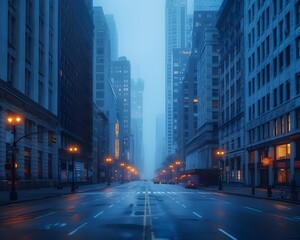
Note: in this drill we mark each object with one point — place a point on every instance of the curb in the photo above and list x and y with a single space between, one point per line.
53 195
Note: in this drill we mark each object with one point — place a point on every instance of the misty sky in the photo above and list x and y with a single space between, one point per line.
140 26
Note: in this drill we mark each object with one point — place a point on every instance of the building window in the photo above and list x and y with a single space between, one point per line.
275 97
40 164
274 37
268 73
50 174
288 125
280 61
282 121
275 127
281 94
297 12
298 47
288 89
283 151
280 30
275 67
268 102
27 163
267 129
298 118
297 79
287 56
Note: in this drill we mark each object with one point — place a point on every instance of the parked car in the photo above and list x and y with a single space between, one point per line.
171 182
191 184
156 181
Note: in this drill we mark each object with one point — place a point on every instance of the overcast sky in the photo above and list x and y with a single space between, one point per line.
140 26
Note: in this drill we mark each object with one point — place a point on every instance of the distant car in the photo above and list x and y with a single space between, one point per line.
156 181
191 184
171 182
164 181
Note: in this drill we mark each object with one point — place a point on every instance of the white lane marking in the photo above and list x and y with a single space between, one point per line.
178 202
197 215
118 201
71 233
183 205
227 234
291 219
253 209
44 215
98 214
111 206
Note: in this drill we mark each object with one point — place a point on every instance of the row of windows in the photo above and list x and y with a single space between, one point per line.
272 128
280 95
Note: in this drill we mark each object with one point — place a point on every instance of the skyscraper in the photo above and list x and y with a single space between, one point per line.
103 93
137 94
232 90
176 22
75 105
121 79
113 36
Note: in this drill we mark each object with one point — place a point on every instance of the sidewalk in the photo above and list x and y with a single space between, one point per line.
40 193
277 193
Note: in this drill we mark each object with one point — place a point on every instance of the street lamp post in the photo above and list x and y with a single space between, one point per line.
172 170
73 150
177 163
220 153
122 165
13 120
108 161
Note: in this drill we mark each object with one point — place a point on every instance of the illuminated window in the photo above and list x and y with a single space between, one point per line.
283 151
288 126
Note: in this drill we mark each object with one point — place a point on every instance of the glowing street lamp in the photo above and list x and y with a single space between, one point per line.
177 163
220 153
172 170
73 149
13 120
122 165
108 161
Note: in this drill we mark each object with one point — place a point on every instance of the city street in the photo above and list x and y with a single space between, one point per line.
143 210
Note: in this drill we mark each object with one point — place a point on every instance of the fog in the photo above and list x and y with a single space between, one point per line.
140 25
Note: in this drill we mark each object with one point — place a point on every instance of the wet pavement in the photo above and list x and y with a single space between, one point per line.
277 194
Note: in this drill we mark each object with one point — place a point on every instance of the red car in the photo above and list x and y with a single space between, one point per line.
191 184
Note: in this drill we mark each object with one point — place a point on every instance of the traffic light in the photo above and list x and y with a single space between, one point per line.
52 137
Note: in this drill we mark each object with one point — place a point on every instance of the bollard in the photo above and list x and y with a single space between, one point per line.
220 186
253 190
269 192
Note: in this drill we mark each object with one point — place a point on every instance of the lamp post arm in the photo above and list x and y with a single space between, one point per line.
29 134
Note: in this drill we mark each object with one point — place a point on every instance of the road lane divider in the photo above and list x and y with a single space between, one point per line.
147 208
98 214
227 234
199 216
253 209
81 226
111 206
45 215
183 205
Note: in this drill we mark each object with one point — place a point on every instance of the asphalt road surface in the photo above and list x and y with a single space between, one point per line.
142 210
